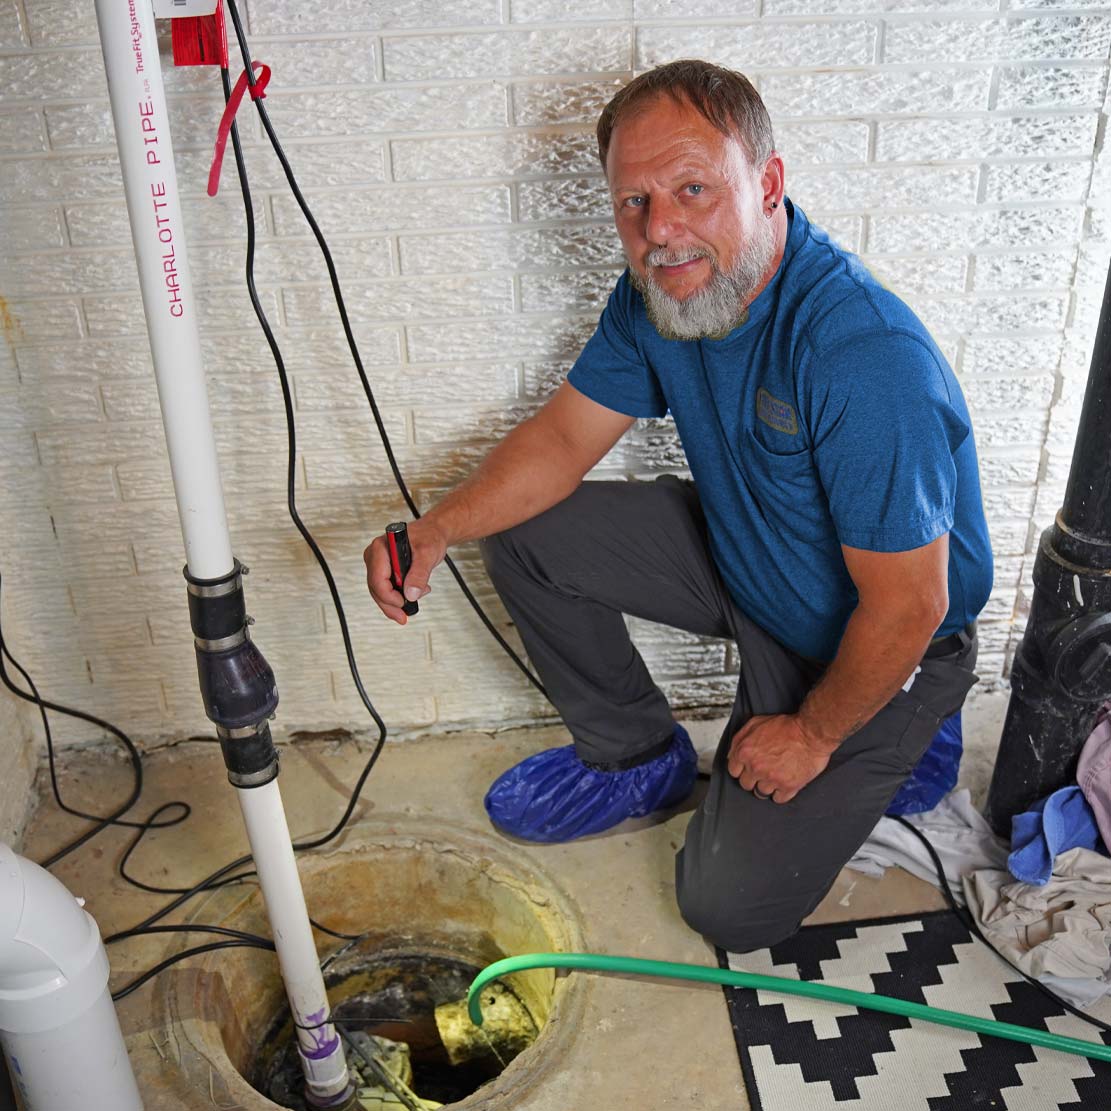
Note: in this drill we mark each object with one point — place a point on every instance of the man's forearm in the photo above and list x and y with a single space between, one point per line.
877 655
529 471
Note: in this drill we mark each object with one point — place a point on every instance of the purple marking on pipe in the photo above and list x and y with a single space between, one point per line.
321 1049
323 1046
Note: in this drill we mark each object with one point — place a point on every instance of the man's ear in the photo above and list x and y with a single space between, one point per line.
773 180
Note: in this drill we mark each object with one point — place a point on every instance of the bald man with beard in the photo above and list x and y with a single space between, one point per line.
832 526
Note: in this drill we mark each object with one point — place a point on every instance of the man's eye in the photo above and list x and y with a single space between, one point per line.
695 188
633 202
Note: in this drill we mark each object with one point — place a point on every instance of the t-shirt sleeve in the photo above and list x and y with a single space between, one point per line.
885 430
611 369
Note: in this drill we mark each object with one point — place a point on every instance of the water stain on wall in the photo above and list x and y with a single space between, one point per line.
8 324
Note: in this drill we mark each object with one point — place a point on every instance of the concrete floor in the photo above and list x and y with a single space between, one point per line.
636 1043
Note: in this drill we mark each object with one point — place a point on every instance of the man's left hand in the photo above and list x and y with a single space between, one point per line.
773 757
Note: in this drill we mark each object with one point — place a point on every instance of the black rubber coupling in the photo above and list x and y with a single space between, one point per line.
249 754
237 684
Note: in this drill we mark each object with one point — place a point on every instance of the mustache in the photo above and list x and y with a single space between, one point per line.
664 256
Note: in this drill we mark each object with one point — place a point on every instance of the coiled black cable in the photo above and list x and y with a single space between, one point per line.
333 277
291 475
217 877
102 822
124 992
221 876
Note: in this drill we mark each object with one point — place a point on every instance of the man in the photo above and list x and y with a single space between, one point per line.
834 526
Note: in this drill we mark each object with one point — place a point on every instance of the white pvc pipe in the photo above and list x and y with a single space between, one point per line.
319 1046
58 1027
127 37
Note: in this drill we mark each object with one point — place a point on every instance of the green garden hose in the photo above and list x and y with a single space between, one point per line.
594 962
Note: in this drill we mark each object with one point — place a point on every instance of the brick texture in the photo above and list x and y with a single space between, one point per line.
447 149
16 768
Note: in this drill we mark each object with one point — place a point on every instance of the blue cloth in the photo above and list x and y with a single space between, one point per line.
554 796
829 417
935 774
1060 822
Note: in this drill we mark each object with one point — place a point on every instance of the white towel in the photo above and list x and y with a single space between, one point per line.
960 835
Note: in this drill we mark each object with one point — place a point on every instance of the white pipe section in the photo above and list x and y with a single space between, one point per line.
58 1027
127 37
319 1045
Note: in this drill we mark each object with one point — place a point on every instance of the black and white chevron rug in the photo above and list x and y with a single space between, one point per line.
806 1055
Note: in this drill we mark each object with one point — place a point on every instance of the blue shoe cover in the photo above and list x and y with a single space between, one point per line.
554 796
935 774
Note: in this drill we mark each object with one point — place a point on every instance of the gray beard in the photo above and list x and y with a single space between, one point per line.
714 311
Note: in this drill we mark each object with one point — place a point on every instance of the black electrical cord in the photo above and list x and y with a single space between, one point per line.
218 877
241 940
336 933
968 920
114 819
188 928
351 343
239 878
150 973
215 878
122 867
291 478
102 822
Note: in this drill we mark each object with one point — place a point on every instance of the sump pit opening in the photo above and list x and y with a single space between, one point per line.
406 997
454 900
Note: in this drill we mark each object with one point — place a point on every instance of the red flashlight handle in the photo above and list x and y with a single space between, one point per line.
401 559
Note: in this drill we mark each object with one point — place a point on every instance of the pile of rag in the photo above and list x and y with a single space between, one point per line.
1044 901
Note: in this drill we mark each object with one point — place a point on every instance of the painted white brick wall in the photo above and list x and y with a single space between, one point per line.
17 767
447 150
18 752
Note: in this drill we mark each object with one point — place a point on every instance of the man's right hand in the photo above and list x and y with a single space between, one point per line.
429 548
539 463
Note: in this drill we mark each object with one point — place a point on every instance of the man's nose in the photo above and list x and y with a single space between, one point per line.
664 220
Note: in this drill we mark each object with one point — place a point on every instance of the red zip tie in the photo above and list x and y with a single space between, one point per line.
258 92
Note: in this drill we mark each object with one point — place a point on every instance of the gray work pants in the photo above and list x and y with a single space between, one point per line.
750 869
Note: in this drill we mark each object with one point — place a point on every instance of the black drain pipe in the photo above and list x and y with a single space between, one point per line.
1062 670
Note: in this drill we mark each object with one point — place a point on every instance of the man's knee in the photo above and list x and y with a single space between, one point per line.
735 928
531 538
736 912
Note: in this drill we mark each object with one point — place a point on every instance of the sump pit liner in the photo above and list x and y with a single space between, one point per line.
437 890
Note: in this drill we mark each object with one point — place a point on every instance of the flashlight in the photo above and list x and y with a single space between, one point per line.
401 559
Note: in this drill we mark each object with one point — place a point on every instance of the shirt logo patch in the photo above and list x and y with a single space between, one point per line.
775 413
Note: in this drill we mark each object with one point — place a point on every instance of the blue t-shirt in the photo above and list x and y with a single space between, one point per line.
829 417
